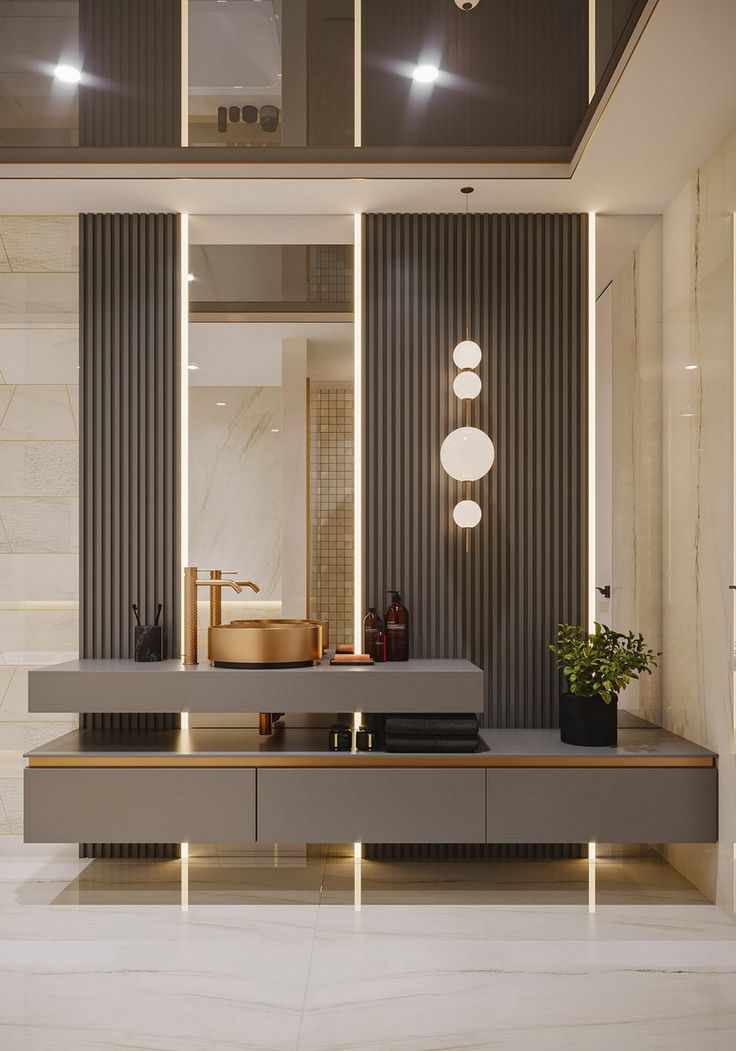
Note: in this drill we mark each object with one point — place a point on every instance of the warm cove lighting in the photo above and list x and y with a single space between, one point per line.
425 74
467 354
467 514
68 74
466 384
467 454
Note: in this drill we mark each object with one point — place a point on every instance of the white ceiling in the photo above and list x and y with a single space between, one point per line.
675 101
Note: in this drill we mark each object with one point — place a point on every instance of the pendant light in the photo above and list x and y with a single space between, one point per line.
467 453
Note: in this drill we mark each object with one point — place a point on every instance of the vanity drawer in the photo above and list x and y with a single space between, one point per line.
379 806
139 806
628 805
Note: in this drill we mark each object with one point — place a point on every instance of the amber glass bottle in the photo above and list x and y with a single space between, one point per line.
371 627
397 629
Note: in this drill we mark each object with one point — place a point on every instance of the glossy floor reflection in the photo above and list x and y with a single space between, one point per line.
272 955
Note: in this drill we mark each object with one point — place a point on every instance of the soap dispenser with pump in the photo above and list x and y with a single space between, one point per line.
397 629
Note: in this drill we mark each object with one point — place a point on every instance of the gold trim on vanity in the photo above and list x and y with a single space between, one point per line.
351 761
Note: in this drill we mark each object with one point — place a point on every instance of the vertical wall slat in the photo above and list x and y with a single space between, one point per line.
130 448
130 52
526 569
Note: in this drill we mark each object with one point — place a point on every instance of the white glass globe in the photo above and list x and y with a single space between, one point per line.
467 354
467 454
467 384
467 514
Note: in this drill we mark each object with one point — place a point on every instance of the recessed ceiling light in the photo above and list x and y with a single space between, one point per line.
69 74
190 277
192 366
238 87
691 367
275 430
221 404
425 74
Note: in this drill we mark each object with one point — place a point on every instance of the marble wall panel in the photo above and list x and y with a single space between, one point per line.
235 488
698 546
39 636
636 460
39 355
38 578
38 299
40 413
38 470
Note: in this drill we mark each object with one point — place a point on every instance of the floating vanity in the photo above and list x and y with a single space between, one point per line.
235 786
168 686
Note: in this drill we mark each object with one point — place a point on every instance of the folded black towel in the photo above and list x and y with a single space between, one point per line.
431 744
433 725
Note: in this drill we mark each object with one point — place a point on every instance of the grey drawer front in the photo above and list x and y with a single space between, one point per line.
386 806
608 806
139 806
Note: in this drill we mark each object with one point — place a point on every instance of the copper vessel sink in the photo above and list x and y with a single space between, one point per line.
265 643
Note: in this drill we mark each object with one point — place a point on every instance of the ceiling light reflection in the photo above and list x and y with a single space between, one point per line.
425 74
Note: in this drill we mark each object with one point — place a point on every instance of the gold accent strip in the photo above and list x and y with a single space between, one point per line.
351 760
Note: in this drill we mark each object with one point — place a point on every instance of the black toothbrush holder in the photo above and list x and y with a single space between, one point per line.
148 642
148 638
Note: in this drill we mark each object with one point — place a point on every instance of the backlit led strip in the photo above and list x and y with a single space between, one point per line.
184 72
358 430
357 75
591 420
733 488
591 877
184 425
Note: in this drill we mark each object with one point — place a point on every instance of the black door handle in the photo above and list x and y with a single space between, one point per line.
606 590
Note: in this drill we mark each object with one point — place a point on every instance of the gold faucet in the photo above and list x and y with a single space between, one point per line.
215 583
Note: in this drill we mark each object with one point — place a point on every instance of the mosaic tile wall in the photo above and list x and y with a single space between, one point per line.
331 507
330 273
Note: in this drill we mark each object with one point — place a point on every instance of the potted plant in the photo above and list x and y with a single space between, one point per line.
597 667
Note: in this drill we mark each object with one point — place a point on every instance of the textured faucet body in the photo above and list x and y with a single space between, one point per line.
215 582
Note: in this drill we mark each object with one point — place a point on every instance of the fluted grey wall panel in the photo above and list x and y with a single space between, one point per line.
130 423
498 603
130 419
130 52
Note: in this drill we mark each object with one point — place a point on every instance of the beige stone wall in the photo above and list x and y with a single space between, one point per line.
636 460
698 492
39 382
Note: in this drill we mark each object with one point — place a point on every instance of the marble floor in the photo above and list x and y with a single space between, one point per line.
271 954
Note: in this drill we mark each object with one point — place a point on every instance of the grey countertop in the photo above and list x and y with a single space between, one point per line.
167 686
308 747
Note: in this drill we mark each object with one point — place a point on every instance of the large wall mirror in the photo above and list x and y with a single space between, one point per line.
270 418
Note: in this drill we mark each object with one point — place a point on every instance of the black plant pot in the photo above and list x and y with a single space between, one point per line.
588 721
